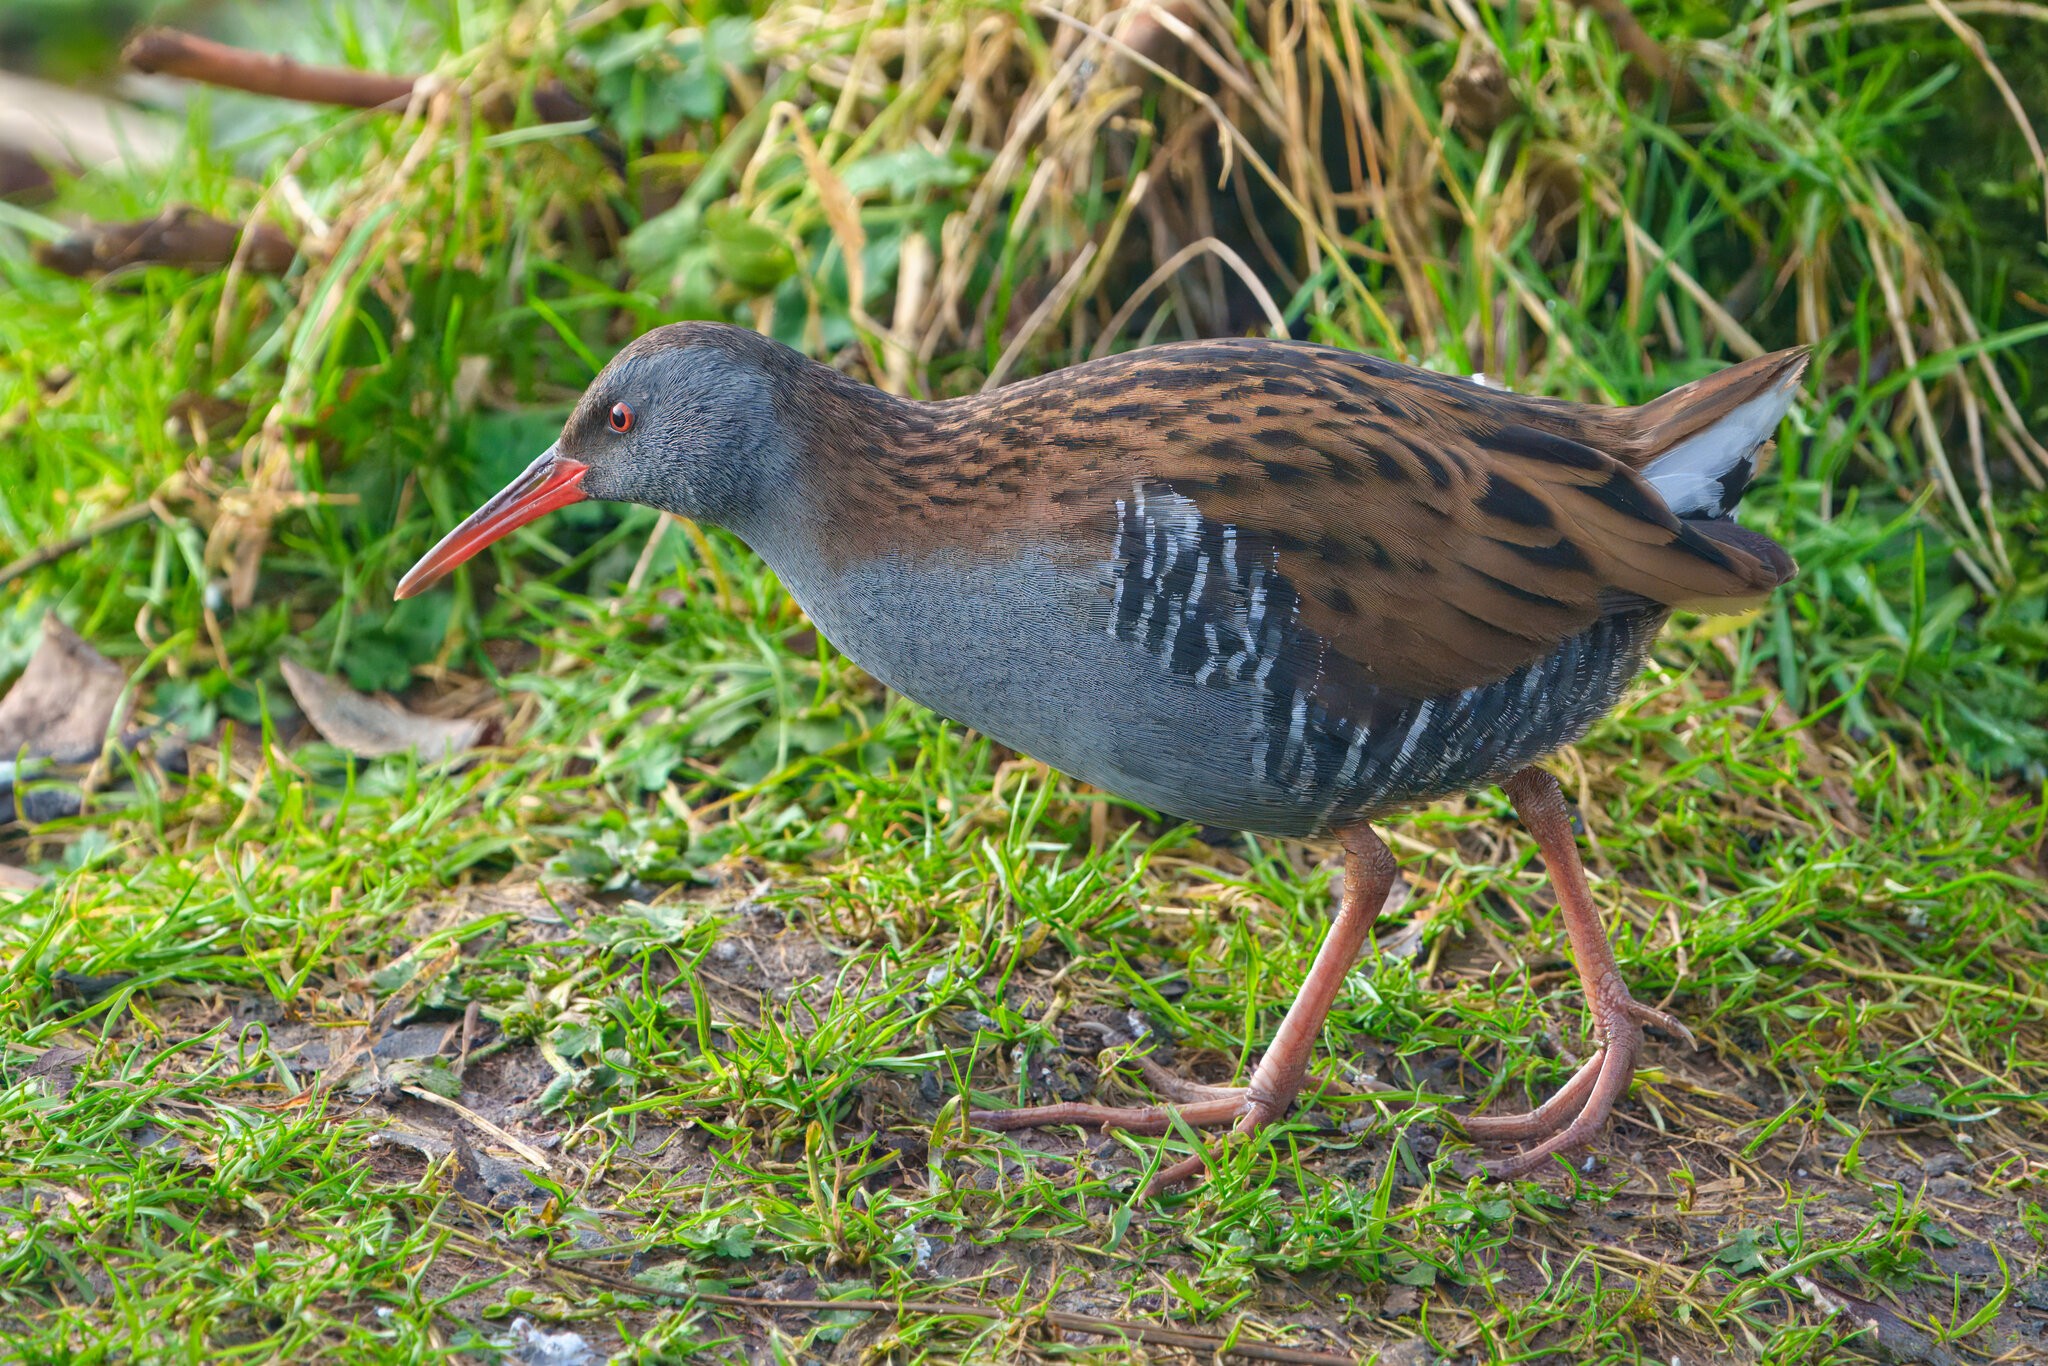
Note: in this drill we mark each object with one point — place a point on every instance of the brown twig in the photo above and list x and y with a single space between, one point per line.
179 236
173 52
57 550
1151 1333
23 176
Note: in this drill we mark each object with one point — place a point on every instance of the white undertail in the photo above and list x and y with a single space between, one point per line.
1705 474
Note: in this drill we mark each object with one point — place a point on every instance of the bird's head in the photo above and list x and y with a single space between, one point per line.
686 419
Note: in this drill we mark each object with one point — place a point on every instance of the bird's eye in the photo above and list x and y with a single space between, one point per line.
622 418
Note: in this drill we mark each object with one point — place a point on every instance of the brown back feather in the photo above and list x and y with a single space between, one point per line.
1439 534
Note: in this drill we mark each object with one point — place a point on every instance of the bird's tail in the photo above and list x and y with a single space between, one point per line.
1699 446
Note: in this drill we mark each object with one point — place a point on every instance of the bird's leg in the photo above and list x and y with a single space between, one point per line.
1368 874
1574 1115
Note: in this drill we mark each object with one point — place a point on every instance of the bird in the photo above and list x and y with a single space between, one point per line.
1264 585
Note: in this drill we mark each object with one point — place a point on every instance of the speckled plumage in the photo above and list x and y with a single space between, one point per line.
1264 585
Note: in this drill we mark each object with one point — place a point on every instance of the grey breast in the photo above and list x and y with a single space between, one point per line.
1167 666
996 647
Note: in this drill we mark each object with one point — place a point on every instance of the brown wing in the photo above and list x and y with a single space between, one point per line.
1439 569
1439 534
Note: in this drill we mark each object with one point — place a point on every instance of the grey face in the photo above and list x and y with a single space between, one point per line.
688 429
686 426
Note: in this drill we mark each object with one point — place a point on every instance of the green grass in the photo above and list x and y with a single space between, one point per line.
734 928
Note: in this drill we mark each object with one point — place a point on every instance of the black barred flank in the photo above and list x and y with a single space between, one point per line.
1209 603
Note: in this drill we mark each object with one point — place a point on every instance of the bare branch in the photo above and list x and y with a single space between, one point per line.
179 236
173 52
170 52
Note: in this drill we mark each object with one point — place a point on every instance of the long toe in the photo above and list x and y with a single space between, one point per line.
1187 1169
1274 1084
1221 1106
1662 1019
1196 1105
1254 1115
1200 1107
1549 1118
1573 1117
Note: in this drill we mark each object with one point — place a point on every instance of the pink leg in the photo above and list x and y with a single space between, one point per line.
1575 1114
1368 874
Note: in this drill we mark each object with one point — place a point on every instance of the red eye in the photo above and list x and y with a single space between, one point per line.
622 418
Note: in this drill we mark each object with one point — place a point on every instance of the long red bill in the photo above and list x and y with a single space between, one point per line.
553 481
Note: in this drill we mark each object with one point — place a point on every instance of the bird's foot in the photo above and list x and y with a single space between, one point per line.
1192 1103
1572 1117
1282 1072
1246 1108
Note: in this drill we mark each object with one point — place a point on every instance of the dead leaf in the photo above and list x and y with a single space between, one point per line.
371 727
429 1146
13 879
58 1066
1401 1300
1404 942
86 987
63 704
1885 1334
469 1178
179 236
363 1045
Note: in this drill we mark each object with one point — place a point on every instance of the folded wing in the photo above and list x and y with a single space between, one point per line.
1439 537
